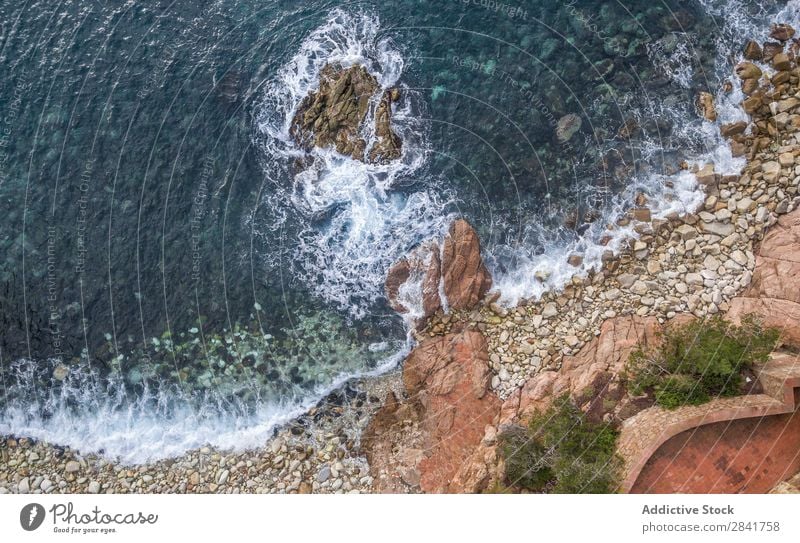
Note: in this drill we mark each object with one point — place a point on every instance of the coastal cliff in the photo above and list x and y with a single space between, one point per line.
673 269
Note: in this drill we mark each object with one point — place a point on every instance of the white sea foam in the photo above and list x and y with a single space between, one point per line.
667 194
95 415
359 217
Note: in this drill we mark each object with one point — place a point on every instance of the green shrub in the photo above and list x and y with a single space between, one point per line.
562 451
699 360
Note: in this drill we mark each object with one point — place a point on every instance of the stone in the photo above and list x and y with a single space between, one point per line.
60 372
718 228
781 62
72 466
575 260
771 170
744 205
642 214
770 49
787 104
752 51
781 32
711 263
223 477
550 310
686 231
626 280
739 257
732 129
568 126
94 487
786 159
748 70
324 474
705 104
694 279
639 288
706 175
751 104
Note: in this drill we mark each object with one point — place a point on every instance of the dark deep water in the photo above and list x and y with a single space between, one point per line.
169 279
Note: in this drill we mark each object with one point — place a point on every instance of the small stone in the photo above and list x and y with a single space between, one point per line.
325 473
686 231
94 487
639 287
752 51
72 466
748 70
781 32
744 205
550 310
786 159
718 228
739 257
575 260
626 280
223 477
781 62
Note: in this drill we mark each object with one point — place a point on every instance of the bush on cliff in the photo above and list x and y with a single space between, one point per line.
700 360
563 452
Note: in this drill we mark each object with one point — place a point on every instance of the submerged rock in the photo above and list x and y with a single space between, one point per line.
334 114
705 103
568 126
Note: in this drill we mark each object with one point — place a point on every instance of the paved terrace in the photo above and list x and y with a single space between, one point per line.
741 444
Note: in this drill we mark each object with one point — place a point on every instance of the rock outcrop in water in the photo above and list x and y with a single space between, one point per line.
388 145
465 277
420 268
454 268
334 115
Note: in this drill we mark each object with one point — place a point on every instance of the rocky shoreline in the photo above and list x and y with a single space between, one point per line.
317 453
480 366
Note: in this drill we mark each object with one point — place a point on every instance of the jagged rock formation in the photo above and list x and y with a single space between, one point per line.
388 144
334 114
422 442
458 268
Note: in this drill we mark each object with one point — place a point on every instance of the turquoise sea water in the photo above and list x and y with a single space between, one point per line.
169 275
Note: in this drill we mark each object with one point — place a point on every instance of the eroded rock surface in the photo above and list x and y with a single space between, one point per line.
457 271
423 442
773 292
334 115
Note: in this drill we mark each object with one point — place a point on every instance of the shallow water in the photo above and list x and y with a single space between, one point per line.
163 254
